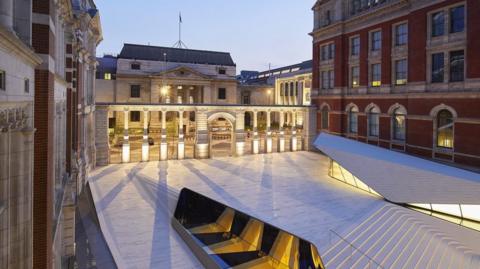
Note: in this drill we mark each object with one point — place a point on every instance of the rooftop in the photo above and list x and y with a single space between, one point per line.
155 53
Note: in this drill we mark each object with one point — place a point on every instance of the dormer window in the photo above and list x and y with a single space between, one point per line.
135 66
222 71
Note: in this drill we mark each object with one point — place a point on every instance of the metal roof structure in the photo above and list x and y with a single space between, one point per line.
177 55
402 178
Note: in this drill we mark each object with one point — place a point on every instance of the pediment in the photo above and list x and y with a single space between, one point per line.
183 72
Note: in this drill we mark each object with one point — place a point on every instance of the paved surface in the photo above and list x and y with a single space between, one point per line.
290 190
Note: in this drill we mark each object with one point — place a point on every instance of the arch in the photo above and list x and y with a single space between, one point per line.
372 108
444 128
323 105
434 112
351 106
397 107
225 115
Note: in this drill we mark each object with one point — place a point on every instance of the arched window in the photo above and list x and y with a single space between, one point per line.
353 120
325 117
399 124
445 129
373 121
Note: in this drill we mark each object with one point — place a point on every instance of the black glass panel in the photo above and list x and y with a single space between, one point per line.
194 210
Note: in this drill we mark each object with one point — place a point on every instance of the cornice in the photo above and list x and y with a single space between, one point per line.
12 43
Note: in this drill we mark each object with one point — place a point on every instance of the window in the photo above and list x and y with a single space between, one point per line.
355 46
135 66
26 85
325 117
438 67
445 129
373 121
292 89
353 120
222 93
111 123
376 40
376 75
438 24
355 76
328 52
2 80
401 72
399 124
457 19
135 91
282 90
135 116
107 76
222 71
246 99
328 79
456 66
401 34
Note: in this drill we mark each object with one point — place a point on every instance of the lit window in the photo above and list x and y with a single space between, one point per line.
399 123
456 66
353 120
355 76
107 76
438 24
401 34
376 75
373 121
26 85
445 129
457 19
222 93
376 40
438 67
401 72
135 91
325 117
355 46
2 80
135 116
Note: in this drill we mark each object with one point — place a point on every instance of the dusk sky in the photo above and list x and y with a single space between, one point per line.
255 32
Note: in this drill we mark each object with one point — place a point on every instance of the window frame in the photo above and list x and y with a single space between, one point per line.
433 77
222 94
134 118
404 73
440 25
376 79
451 19
107 76
449 125
353 120
376 44
135 68
352 76
26 85
376 127
3 80
325 122
398 35
395 127
222 71
453 73
355 48
133 88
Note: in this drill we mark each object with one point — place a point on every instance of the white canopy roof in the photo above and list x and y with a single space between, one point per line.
402 178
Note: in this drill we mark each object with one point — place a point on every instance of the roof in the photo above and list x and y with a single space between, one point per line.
154 53
265 77
399 177
107 63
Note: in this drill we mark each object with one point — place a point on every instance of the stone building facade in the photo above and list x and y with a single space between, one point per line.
403 75
17 70
158 103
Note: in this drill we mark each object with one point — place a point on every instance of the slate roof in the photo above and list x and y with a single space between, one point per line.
153 53
107 63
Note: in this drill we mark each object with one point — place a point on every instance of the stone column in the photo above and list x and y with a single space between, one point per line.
256 138
201 146
101 136
145 145
293 137
309 128
6 14
126 144
163 138
281 134
240 133
300 94
268 137
181 137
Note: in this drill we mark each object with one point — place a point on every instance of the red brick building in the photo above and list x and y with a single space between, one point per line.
403 75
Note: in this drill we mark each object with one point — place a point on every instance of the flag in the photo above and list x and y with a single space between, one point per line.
180 17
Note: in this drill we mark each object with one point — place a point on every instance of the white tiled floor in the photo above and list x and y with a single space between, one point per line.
289 190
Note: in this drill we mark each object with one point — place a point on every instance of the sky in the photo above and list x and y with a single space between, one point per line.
256 32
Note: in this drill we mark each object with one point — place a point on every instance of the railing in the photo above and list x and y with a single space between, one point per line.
371 262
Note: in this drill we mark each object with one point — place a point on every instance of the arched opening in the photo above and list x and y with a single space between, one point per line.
444 130
399 124
221 136
373 118
353 120
325 117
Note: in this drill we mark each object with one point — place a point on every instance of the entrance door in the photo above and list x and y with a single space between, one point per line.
221 138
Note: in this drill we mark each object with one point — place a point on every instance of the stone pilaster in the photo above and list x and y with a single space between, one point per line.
310 127
145 145
201 147
240 133
281 133
101 136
